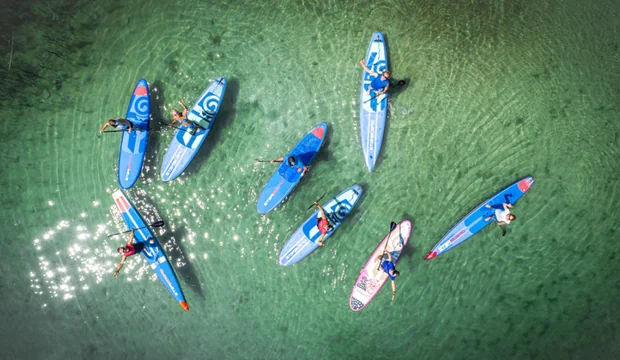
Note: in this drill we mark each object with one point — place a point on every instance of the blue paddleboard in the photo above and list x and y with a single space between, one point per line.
284 180
303 241
133 144
373 109
153 253
475 220
185 145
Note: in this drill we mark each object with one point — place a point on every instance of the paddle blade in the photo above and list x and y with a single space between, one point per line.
157 224
392 226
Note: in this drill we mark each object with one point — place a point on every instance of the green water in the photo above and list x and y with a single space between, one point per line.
497 91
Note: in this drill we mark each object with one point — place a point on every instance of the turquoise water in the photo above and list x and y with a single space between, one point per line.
496 91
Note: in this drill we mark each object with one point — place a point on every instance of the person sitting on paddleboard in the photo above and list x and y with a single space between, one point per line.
388 266
118 124
380 84
130 249
181 117
322 222
502 215
292 163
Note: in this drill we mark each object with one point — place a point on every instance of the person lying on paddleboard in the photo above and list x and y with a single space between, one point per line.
502 215
380 84
118 124
322 222
129 249
293 163
387 265
181 117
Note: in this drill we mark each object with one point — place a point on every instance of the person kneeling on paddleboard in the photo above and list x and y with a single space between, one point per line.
380 84
130 249
387 265
181 117
503 216
292 163
322 222
118 124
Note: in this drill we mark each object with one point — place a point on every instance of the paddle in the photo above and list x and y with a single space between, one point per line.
156 224
317 200
392 226
399 83
262 161
115 131
170 125
503 231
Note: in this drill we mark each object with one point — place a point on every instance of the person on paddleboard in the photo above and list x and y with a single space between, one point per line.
502 215
381 83
130 249
293 163
387 265
181 117
322 222
118 124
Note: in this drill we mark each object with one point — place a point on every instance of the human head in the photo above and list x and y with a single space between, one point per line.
291 161
111 122
394 272
386 74
121 250
511 217
174 112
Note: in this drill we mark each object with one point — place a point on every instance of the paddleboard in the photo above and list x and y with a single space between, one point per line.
285 178
302 243
373 109
185 145
153 253
475 220
133 144
372 277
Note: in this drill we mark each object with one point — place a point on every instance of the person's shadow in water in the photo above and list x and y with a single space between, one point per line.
157 117
225 116
410 249
187 271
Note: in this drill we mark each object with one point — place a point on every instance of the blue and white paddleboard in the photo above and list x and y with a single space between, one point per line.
475 220
133 144
284 180
303 241
373 109
153 253
185 145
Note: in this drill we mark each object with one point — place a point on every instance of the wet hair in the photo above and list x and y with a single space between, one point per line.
514 217
111 121
120 249
291 160
386 73
330 227
396 273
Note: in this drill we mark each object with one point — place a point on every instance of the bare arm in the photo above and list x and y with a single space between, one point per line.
501 223
130 241
105 126
321 212
120 266
280 159
389 255
305 171
385 89
506 206
366 68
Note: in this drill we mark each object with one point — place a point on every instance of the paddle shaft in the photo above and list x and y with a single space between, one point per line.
159 223
400 83
172 126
